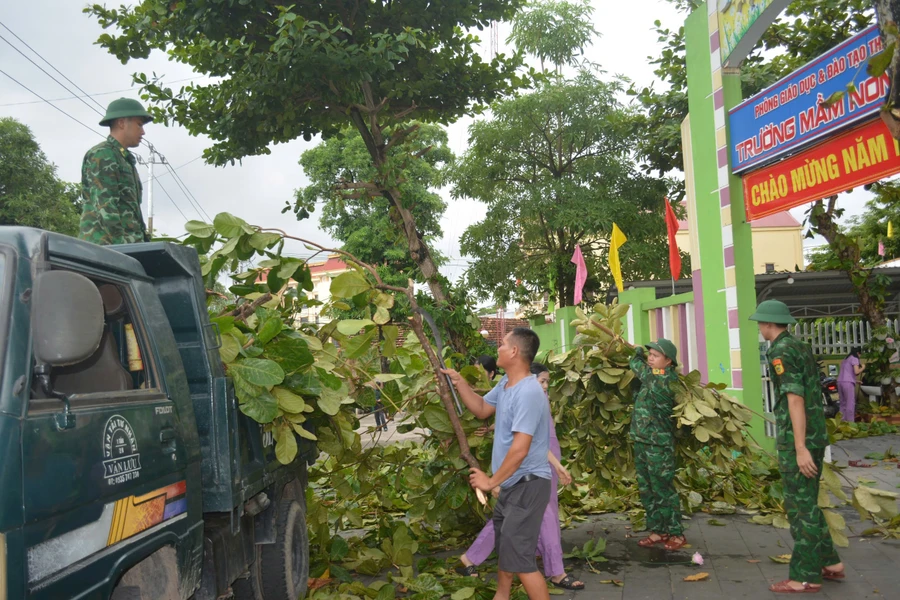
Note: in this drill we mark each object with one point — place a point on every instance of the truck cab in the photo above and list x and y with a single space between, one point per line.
127 470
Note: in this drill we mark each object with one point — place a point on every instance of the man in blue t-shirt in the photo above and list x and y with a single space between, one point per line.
519 460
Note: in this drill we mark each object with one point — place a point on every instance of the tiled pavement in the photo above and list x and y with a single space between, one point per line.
872 564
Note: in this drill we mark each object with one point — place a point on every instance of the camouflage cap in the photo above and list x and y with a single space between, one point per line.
773 311
666 348
124 108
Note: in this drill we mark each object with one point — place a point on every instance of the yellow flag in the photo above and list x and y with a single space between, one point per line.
615 242
890 229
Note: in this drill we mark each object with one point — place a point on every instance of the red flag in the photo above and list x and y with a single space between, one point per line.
580 273
672 228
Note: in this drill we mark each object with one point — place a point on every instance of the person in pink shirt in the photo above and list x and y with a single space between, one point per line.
847 378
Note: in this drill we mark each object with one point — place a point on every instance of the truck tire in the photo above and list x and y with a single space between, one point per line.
283 567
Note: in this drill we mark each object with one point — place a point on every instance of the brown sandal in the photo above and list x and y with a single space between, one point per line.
833 575
784 587
648 542
675 542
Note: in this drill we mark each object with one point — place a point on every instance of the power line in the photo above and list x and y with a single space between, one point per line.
171 200
91 95
181 166
187 192
52 67
88 127
190 196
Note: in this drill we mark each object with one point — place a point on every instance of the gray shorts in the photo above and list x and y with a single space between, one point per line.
517 524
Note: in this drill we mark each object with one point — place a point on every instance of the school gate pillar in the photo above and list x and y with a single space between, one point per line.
721 246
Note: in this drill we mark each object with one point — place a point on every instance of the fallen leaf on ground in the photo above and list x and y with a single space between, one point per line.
781 559
697 577
752 560
716 523
315 583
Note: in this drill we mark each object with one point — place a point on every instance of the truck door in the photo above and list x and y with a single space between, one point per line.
99 490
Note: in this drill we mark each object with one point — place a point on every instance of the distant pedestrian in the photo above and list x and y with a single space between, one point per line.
653 434
801 439
110 185
380 419
848 379
519 460
549 545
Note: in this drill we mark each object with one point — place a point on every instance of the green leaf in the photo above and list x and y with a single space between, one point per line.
258 371
329 402
269 329
387 592
360 344
382 316
879 63
291 353
303 383
262 408
353 326
349 284
781 522
701 433
438 419
285 445
261 241
230 226
463 593
289 401
303 432
339 549
200 229
230 348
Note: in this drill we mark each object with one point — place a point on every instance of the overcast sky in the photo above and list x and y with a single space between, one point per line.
257 189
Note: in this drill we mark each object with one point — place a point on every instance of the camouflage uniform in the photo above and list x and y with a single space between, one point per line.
112 191
793 369
653 433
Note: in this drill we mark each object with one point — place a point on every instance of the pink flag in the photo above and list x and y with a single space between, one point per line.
580 273
880 249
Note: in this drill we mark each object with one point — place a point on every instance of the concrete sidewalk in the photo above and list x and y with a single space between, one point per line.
872 564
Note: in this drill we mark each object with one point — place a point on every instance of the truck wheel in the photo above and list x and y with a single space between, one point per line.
284 565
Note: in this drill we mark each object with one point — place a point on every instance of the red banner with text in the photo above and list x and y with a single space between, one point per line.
858 156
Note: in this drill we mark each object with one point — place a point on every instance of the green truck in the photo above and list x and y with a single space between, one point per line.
127 470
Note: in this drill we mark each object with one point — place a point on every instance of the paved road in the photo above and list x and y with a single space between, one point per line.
873 565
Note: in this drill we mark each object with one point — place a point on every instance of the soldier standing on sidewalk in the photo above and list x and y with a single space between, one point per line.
653 434
801 441
110 184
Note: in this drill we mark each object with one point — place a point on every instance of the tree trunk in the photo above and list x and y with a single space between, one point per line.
847 250
372 133
888 14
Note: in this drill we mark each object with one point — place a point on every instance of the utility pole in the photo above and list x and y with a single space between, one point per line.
155 159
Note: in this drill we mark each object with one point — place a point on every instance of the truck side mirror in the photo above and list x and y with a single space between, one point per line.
67 318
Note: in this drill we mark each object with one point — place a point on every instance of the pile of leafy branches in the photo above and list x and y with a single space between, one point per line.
721 469
591 394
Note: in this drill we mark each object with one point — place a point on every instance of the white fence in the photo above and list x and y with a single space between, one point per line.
837 338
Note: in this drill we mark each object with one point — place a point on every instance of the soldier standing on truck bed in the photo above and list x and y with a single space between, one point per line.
110 184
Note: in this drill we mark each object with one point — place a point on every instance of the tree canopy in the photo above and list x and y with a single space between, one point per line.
281 72
359 218
31 194
555 168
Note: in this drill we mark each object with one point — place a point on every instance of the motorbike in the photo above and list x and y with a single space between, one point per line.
829 395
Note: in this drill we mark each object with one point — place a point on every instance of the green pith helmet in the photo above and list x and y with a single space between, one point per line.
123 108
666 348
773 311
